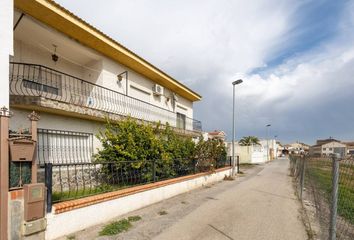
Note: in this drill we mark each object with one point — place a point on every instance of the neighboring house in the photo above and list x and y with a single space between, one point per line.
327 147
216 134
350 147
297 148
270 148
75 76
220 135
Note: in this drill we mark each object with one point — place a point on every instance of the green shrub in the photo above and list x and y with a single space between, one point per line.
142 143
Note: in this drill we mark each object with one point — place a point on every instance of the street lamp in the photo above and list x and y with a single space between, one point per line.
267 126
239 81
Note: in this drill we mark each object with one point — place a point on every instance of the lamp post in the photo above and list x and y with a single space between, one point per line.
239 81
267 127
276 147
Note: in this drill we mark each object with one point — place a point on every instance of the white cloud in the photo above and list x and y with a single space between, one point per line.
208 43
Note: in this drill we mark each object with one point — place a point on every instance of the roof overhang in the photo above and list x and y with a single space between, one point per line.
57 17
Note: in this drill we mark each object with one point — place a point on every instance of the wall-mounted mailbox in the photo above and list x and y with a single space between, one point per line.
22 149
34 201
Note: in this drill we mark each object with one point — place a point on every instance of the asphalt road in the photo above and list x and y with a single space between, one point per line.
258 205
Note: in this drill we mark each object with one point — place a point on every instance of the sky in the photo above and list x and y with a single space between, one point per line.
296 59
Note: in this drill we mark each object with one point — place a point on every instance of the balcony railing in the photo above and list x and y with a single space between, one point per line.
37 80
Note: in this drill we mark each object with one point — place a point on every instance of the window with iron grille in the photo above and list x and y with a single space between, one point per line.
60 146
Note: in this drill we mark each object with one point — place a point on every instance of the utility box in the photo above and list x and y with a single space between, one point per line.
34 195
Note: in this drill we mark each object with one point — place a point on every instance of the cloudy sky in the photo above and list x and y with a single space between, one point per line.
296 58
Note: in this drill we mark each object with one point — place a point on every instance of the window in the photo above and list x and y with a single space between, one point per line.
59 146
324 149
330 149
181 121
43 81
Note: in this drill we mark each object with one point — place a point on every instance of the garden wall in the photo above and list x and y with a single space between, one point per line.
72 216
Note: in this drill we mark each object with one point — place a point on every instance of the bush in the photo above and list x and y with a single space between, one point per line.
128 140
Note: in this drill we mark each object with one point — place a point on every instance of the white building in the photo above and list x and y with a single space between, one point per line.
255 153
328 147
75 76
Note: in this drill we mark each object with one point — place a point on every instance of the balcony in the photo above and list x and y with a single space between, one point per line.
37 86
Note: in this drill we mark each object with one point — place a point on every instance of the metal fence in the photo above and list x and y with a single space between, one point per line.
76 180
327 183
40 81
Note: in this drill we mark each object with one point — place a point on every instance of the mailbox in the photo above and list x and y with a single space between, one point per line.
34 195
22 149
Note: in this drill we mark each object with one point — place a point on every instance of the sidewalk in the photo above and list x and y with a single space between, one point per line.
264 207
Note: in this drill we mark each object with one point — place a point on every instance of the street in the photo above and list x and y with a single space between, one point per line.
258 205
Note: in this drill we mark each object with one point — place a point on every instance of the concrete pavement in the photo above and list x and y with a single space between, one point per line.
259 204
263 207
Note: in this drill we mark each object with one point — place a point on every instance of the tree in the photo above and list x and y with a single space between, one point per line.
249 140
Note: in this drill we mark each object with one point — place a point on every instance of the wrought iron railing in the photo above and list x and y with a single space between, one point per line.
77 180
37 80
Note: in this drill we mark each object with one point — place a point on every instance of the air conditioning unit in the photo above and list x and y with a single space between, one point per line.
158 90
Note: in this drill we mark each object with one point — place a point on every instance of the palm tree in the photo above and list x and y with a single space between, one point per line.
248 141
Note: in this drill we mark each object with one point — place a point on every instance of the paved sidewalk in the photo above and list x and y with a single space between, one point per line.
259 205
264 207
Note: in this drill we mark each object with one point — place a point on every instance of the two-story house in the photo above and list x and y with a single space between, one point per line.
75 76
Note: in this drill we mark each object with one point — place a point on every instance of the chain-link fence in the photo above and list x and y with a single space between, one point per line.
327 183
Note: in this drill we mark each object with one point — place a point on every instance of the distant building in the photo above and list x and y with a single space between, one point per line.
350 147
329 146
297 148
263 152
216 134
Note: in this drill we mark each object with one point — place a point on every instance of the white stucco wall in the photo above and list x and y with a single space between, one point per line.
6 48
67 222
57 122
34 43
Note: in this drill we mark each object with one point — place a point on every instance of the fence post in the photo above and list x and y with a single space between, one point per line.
48 176
238 163
194 165
154 170
4 171
302 178
335 177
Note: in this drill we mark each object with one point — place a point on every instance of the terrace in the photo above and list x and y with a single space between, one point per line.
41 88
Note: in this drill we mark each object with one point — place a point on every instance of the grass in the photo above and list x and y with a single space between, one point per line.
117 227
134 218
163 212
71 237
322 177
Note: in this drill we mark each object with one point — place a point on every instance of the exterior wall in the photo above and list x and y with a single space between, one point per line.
248 154
6 49
81 62
57 122
333 147
66 223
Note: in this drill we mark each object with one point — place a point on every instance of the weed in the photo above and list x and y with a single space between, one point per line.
163 212
115 227
134 218
70 237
